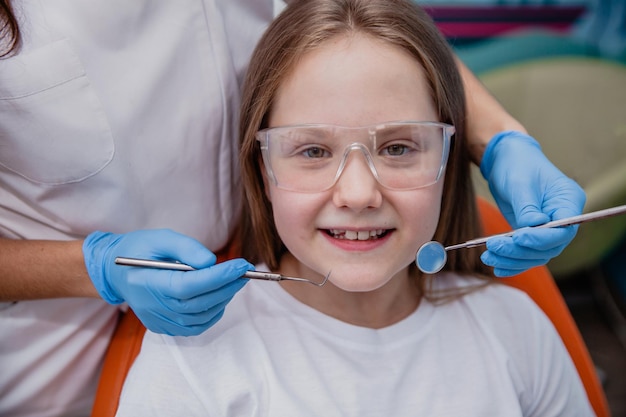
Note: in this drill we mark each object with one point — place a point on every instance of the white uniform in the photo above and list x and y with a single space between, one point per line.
114 116
491 353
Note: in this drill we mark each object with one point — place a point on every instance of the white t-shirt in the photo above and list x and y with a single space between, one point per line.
114 116
490 353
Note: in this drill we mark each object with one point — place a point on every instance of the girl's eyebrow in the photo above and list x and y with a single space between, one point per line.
305 133
389 129
316 131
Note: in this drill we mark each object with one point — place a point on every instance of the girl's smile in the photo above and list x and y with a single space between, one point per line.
358 240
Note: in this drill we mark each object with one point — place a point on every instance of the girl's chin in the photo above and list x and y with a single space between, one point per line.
356 287
352 282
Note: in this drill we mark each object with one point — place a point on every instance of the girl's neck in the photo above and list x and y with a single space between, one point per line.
376 309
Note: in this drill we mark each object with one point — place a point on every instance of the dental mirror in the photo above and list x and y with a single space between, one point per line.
432 256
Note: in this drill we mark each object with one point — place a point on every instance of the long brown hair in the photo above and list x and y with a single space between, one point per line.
306 25
9 30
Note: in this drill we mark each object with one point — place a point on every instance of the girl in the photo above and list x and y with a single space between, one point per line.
353 156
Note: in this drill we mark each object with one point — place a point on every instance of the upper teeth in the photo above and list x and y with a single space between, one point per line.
354 235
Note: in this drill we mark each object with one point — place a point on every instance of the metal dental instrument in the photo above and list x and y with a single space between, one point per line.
431 256
178 266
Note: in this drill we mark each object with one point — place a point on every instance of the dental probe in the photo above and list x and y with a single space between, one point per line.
178 266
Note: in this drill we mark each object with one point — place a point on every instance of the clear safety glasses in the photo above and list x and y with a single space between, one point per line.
311 157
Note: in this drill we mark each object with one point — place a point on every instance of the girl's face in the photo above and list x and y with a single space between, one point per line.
355 81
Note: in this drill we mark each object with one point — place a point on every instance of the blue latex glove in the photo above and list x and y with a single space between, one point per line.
529 191
170 302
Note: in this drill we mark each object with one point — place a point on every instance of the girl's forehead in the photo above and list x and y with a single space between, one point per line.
353 80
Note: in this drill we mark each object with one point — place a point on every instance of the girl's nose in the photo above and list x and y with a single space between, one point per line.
357 188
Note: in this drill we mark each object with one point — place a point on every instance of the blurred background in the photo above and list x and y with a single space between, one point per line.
560 68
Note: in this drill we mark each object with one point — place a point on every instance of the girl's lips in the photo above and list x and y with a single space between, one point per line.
363 240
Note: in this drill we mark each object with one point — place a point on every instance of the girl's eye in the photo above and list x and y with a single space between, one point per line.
315 152
396 150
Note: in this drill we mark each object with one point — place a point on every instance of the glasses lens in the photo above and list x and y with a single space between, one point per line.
310 158
409 156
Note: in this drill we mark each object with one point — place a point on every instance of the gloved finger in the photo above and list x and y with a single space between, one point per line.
197 320
186 285
526 209
197 329
169 245
542 241
202 303
552 241
507 273
563 198
507 247
563 193
182 324
200 328
508 263
524 206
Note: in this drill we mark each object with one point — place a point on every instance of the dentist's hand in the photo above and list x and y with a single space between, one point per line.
529 191
170 302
